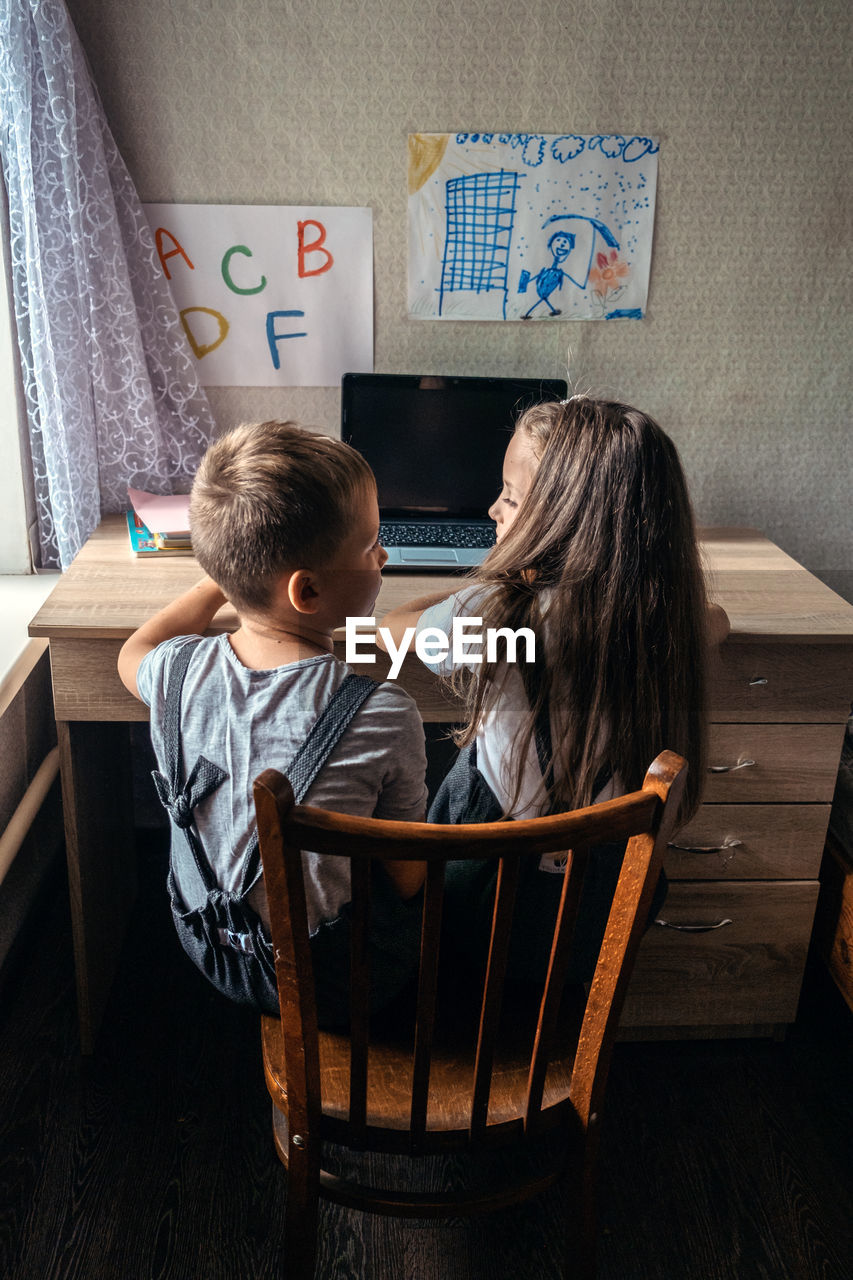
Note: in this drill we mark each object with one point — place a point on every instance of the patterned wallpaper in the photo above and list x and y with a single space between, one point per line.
744 356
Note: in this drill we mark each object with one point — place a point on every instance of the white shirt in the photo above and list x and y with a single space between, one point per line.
508 710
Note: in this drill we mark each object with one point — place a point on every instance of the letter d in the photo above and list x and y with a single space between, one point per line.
201 349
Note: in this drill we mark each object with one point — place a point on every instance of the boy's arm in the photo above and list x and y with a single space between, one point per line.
406 616
406 877
404 792
191 614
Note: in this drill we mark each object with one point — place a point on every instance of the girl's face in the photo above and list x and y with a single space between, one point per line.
520 463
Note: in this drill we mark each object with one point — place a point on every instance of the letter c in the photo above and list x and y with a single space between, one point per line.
226 270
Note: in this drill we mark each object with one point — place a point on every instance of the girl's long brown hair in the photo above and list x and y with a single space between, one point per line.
602 563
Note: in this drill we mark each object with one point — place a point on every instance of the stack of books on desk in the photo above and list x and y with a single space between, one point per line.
158 525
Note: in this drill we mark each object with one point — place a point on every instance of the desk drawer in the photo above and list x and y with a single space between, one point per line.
751 763
767 683
750 842
745 972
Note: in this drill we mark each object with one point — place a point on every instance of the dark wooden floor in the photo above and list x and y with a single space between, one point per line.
721 1161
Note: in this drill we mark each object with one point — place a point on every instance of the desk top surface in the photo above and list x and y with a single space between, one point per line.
108 592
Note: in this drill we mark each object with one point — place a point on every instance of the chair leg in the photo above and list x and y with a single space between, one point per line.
300 1223
581 1236
302 1204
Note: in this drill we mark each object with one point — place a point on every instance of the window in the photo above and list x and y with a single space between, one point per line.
14 547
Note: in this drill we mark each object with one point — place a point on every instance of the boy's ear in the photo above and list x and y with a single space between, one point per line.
302 591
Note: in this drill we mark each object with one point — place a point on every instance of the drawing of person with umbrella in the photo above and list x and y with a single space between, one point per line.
563 246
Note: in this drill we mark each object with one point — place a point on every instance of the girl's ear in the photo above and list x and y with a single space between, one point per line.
302 591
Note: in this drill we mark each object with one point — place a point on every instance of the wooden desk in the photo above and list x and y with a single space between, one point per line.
781 692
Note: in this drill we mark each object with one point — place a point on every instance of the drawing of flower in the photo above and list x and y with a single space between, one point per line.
609 274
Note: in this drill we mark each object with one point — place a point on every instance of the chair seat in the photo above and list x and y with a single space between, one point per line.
389 1088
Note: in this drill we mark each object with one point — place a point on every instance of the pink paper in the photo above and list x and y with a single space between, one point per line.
162 514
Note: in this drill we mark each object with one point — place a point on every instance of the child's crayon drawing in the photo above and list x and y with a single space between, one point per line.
517 226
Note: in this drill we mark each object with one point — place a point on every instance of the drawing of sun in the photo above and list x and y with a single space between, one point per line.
426 151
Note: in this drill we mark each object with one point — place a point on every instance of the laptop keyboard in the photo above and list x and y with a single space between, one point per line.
436 535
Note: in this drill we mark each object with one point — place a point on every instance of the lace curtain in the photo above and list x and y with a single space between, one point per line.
112 395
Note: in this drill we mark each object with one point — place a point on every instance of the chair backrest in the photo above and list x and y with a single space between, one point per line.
645 817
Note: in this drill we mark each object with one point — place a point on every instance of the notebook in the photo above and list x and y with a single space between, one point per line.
436 446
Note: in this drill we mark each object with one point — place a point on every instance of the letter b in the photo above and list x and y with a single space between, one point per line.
316 246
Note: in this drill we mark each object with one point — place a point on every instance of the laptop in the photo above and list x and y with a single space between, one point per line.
436 446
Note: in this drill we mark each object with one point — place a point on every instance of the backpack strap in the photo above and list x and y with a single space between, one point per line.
325 734
180 798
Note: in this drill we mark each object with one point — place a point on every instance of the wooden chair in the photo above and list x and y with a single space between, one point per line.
432 1090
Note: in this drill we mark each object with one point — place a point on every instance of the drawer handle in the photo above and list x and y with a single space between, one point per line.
693 928
730 768
728 843
757 680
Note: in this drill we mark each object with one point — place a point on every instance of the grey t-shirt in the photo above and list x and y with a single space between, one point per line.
246 721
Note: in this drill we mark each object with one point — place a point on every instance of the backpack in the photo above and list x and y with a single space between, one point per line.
225 937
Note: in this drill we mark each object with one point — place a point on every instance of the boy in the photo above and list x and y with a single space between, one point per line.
285 524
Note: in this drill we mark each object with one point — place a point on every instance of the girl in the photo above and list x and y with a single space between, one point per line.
596 553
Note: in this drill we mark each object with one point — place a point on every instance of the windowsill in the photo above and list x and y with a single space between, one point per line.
21 596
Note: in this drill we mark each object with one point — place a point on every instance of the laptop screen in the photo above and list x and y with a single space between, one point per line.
436 444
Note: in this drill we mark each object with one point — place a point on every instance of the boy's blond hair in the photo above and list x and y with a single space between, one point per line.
271 497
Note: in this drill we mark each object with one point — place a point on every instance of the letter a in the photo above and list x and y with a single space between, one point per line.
316 246
159 236
204 348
